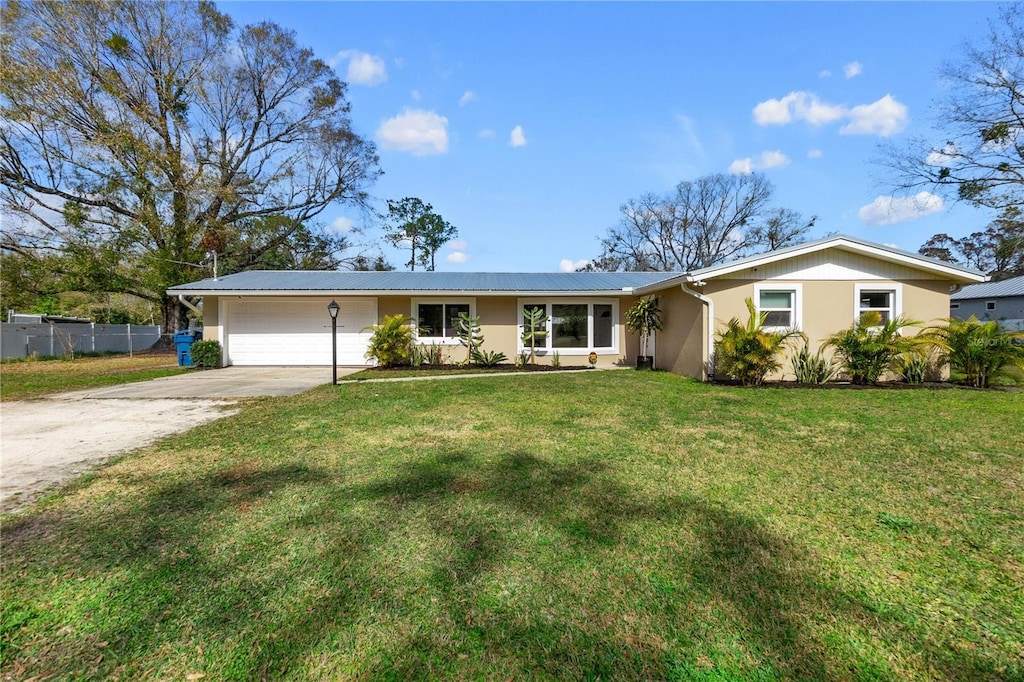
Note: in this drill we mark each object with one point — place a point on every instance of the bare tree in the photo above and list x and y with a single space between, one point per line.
702 223
979 157
139 135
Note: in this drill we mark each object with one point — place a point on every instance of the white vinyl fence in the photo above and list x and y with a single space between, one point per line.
60 338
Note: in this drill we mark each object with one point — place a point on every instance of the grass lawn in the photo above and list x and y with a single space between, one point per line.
19 380
589 525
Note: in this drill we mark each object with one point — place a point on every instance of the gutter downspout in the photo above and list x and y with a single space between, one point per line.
197 311
709 359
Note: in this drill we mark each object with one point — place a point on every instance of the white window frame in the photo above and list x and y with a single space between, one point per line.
414 315
990 306
795 288
547 303
896 301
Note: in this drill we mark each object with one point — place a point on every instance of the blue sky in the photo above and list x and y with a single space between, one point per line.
527 125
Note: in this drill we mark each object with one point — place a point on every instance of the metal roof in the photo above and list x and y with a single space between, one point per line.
1007 287
422 282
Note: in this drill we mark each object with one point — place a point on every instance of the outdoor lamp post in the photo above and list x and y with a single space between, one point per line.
332 308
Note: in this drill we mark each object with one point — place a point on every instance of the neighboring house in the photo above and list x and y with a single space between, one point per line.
281 318
1002 301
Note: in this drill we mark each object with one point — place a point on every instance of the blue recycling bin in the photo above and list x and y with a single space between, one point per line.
184 340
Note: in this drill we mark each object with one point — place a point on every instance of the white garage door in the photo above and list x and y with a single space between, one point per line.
281 331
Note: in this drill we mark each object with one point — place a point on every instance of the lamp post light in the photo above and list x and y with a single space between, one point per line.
333 308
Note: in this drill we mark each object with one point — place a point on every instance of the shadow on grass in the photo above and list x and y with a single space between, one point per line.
253 572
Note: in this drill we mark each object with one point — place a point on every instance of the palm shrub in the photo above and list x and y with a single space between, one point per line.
812 369
391 341
870 347
644 318
980 350
748 353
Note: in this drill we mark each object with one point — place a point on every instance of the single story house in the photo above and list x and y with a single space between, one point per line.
281 318
1002 301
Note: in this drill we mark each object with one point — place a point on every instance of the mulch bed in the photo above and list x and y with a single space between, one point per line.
475 367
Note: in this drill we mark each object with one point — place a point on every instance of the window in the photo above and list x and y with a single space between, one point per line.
573 327
438 320
954 306
887 301
781 303
990 305
569 326
877 301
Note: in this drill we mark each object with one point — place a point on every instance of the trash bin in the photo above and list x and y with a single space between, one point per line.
184 340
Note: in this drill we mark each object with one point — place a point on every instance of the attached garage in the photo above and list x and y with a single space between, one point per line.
295 331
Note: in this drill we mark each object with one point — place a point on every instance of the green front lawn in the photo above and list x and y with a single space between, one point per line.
32 379
584 525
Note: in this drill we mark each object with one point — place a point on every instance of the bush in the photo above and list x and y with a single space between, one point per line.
206 353
980 350
812 369
870 348
913 367
489 358
391 341
745 351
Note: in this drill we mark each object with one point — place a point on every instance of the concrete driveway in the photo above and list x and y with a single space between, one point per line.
48 441
229 382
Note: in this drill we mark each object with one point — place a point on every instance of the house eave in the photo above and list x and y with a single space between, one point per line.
419 293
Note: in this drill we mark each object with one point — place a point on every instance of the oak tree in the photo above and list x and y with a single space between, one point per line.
138 136
977 155
701 223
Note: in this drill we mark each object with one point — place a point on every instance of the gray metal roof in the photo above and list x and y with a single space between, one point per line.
497 282
1007 287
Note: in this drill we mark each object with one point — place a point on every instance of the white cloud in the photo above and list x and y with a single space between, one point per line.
517 138
748 165
773 111
458 245
796 106
824 73
341 225
886 210
457 257
774 159
416 95
420 132
486 134
945 157
814 154
567 265
363 68
883 118
742 166
853 69
467 97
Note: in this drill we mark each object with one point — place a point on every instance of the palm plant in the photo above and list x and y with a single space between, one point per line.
644 318
980 350
872 346
391 341
748 353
